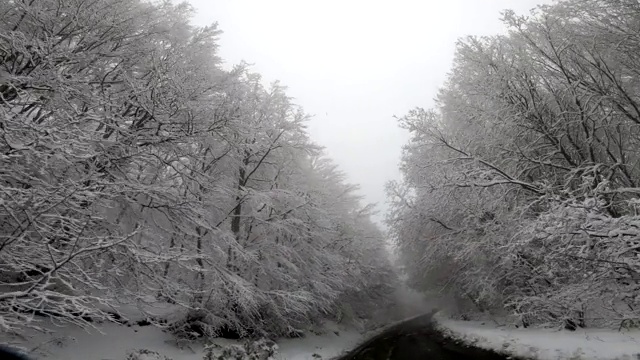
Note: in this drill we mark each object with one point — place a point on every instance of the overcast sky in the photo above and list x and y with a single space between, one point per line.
354 64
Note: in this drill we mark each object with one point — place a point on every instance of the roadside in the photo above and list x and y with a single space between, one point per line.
544 344
113 341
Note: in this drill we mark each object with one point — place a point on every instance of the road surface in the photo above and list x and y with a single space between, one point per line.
418 338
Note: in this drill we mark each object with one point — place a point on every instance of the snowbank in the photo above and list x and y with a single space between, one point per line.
542 344
111 341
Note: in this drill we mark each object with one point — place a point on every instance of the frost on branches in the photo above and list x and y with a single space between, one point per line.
133 168
520 189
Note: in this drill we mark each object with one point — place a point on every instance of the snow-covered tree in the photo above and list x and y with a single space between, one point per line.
523 180
133 168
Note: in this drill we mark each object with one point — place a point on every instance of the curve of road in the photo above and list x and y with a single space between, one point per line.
418 338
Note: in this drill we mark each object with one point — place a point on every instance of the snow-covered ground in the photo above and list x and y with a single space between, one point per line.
335 342
110 341
546 343
113 342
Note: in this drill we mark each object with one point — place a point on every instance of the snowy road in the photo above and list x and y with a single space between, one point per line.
417 338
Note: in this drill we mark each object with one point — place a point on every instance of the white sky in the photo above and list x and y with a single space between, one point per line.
354 64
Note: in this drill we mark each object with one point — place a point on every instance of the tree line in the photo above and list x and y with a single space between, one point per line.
135 168
520 188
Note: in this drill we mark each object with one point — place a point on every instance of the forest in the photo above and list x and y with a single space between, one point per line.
520 189
138 168
135 169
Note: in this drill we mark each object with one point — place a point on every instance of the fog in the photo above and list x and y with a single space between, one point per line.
354 65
